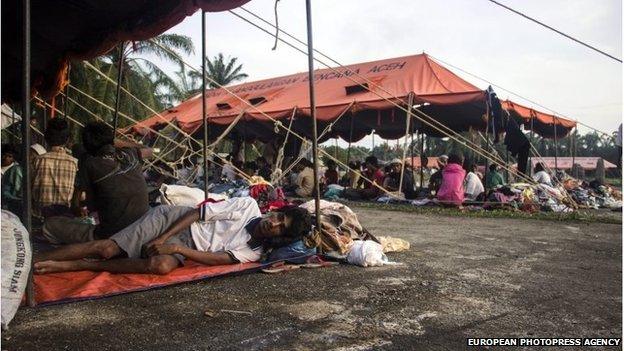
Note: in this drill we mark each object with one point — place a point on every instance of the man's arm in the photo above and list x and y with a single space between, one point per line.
207 258
182 223
203 257
144 151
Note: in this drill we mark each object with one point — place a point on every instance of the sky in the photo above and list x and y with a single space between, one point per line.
475 35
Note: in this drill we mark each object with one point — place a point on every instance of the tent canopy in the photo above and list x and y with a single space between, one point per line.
440 93
543 123
64 30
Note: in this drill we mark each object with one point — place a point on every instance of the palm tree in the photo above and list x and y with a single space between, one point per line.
220 71
141 77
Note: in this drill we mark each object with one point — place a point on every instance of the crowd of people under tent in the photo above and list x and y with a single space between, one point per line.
100 198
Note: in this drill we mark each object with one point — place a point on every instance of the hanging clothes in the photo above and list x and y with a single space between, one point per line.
495 118
517 144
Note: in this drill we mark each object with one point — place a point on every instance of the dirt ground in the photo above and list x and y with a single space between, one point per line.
463 277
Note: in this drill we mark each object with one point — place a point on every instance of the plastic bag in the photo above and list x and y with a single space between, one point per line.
367 253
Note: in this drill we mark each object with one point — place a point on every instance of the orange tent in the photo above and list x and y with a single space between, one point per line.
449 99
543 123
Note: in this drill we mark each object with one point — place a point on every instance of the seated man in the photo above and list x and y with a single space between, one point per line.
407 185
494 179
225 232
111 175
305 179
54 173
436 178
11 181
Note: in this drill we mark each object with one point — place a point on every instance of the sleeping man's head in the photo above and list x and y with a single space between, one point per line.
279 229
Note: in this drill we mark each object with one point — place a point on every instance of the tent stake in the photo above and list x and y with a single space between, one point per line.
118 93
26 190
204 117
317 197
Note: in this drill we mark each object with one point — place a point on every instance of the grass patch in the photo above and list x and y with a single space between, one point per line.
588 216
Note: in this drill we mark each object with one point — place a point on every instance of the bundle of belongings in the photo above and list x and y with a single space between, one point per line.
529 198
593 194
342 236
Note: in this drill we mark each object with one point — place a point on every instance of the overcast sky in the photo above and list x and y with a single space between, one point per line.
474 35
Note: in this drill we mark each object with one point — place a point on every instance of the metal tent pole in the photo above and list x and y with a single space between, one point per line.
204 117
118 93
66 92
422 155
350 137
573 151
317 199
556 146
26 186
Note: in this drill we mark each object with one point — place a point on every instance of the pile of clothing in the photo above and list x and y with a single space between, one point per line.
593 194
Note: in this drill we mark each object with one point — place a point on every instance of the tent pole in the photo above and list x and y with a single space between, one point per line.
507 166
118 92
13 126
204 117
373 134
317 199
66 92
573 151
26 186
408 118
412 152
422 165
487 144
44 118
555 130
350 138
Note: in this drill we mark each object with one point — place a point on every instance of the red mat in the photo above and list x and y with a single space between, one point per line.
84 285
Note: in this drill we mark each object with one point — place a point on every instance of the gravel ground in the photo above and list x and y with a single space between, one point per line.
462 277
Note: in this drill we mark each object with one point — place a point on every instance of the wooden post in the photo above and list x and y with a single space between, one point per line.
204 117
26 171
317 198
118 92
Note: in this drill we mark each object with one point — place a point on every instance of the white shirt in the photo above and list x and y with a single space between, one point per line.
228 172
473 186
542 177
221 227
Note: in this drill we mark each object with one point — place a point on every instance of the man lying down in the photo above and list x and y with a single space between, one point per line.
220 233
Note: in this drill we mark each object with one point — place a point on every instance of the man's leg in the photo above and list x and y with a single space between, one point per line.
103 248
161 264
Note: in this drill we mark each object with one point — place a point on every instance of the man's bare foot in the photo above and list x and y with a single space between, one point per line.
44 267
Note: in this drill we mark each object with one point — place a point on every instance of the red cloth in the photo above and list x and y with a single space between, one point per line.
452 188
75 286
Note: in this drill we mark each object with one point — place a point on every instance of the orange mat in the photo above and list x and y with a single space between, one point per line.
65 287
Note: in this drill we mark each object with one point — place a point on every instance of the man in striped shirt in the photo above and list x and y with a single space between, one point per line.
54 173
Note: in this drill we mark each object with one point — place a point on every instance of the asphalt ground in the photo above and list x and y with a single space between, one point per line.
463 277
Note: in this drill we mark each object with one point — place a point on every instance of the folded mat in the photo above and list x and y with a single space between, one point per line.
57 288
